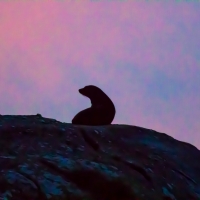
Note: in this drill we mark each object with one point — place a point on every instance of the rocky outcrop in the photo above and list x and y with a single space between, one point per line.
42 158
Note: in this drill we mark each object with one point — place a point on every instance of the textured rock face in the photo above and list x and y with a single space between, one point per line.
42 158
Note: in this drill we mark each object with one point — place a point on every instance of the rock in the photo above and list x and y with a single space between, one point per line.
42 158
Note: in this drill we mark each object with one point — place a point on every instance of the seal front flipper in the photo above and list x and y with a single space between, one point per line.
83 118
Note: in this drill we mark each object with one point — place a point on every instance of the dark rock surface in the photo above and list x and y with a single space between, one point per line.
42 159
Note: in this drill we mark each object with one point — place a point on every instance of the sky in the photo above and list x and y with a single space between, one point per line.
145 55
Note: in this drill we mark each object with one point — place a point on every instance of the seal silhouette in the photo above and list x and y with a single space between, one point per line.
101 112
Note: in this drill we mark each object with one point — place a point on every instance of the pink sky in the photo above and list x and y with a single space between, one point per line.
143 54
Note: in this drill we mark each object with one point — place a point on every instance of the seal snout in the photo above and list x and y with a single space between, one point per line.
81 91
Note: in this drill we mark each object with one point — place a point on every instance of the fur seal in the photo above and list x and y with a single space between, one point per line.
101 112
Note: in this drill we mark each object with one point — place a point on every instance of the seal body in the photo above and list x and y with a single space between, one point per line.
101 112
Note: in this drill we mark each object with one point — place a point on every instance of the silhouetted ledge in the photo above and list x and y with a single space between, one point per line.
42 158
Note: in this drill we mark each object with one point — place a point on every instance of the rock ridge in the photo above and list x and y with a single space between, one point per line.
42 158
